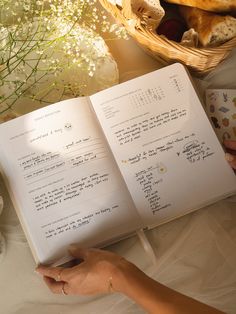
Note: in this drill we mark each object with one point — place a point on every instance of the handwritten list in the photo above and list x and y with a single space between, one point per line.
160 136
150 181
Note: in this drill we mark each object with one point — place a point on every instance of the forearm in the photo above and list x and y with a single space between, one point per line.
101 270
155 297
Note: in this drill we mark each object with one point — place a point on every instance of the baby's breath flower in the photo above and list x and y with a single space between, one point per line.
42 40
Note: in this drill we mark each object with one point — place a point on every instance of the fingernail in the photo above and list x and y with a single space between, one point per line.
229 157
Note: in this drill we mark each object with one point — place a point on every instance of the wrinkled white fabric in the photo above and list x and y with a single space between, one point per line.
196 253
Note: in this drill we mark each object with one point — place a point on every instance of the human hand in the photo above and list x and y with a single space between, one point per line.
99 272
231 152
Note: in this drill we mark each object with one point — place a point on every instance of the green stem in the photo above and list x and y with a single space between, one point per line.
23 92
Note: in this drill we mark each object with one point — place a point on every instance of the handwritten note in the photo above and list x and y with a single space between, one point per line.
38 166
76 221
162 142
187 147
65 180
196 151
134 131
64 193
33 160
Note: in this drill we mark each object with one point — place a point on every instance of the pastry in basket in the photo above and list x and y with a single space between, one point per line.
209 5
150 12
200 61
190 38
212 29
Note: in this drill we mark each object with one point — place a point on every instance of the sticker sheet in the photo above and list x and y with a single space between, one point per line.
221 110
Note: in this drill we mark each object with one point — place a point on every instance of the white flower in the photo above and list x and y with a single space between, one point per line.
50 49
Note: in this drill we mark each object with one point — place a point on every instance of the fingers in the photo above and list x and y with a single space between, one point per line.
57 287
54 286
55 273
58 274
230 144
88 277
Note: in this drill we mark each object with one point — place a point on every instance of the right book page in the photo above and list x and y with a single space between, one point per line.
164 145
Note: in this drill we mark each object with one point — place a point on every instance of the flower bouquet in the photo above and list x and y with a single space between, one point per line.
51 50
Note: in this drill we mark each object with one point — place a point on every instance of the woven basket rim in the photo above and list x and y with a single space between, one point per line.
199 59
139 28
203 49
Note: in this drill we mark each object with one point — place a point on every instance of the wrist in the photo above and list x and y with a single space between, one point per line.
136 285
124 276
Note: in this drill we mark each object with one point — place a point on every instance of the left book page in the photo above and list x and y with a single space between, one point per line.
64 183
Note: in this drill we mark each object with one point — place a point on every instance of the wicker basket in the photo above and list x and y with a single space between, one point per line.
199 60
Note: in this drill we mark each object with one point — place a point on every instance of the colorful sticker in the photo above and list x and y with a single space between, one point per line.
225 122
213 96
215 122
223 109
225 97
234 101
226 136
212 108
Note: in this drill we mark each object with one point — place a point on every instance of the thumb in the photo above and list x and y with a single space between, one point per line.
78 252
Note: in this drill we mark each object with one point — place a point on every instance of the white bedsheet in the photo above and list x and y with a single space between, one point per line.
196 253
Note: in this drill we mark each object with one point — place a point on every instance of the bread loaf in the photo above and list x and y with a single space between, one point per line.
212 29
209 5
150 12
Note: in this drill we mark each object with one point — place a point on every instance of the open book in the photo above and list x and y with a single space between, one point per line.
94 170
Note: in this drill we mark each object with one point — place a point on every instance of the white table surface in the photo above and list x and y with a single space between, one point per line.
196 253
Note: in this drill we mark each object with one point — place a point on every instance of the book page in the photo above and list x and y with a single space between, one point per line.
64 181
163 144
